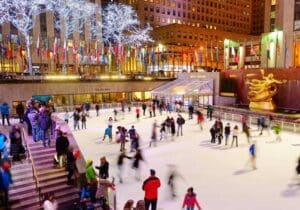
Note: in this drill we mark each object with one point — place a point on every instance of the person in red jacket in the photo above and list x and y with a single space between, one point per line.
137 111
190 200
150 186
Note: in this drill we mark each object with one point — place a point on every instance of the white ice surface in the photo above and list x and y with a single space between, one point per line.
217 173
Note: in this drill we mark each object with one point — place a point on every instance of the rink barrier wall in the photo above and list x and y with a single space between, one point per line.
287 122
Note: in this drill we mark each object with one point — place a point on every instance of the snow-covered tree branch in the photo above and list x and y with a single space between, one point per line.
122 26
22 14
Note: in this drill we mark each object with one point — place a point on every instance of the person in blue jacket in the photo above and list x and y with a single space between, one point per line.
3 148
5 181
4 108
252 153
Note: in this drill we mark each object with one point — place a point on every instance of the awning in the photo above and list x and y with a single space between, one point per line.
42 98
185 86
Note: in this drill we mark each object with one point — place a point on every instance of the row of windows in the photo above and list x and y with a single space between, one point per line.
204 23
209 3
194 16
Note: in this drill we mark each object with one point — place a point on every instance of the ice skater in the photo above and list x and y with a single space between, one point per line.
190 200
163 134
227 131
115 115
277 130
180 122
200 119
154 134
235 135
120 164
132 136
173 175
137 112
136 163
252 153
108 132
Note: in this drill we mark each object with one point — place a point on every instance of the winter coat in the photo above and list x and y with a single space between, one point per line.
190 201
235 132
227 130
4 108
44 121
90 173
33 116
121 159
3 139
150 186
136 162
103 170
62 144
5 178
20 109
180 121
70 161
173 127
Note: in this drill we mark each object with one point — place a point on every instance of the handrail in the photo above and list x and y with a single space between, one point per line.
34 172
252 117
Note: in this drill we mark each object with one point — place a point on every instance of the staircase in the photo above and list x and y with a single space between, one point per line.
22 193
50 178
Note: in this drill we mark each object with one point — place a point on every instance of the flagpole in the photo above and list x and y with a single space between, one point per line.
276 49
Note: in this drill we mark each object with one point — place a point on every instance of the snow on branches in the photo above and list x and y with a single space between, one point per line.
122 26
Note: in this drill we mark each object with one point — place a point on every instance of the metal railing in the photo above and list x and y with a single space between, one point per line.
34 172
285 123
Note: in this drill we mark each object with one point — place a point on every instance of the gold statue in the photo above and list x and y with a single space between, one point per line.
262 91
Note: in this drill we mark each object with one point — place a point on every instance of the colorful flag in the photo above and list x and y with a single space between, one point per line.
81 49
64 50
47 51
55 46
74 51
38 46
152 56
19 42
9 53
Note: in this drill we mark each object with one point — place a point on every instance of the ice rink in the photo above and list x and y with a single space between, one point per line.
218 173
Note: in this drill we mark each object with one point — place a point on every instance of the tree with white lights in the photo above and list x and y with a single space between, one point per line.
22 14
121 26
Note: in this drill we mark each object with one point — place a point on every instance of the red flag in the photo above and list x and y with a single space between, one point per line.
9 50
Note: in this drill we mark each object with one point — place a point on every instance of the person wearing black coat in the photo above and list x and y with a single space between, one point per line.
103 168
62 144
213 134
20 111
173 129
16 147
136 163
70 166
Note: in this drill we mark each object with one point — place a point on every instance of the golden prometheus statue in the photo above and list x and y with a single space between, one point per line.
261 92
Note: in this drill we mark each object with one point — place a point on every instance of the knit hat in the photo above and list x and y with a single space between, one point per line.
152 172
